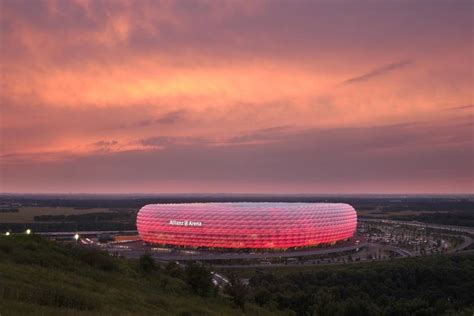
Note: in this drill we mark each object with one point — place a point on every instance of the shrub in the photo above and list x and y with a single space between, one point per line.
199 279
237 290
174 270
146 264
97 258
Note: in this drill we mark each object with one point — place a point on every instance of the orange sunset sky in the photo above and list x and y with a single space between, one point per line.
236 96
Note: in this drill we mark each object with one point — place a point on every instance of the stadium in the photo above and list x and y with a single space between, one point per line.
246 225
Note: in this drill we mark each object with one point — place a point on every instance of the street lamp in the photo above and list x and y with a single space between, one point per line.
76 237
7 234
28 231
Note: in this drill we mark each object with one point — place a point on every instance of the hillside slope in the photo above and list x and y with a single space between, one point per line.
40 277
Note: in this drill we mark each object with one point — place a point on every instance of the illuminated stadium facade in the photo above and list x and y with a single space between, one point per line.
246 225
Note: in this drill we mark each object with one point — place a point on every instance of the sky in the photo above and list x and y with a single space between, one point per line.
236 96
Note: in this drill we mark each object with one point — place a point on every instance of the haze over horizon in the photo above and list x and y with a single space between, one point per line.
262 96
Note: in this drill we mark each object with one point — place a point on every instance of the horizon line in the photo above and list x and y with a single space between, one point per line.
231 193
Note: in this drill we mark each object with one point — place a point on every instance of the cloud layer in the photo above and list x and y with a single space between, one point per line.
266 96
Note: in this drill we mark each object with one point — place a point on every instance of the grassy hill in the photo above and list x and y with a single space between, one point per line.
40 277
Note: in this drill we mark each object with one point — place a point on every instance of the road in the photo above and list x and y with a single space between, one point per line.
88 233
467 241
219 280
210 256
401 252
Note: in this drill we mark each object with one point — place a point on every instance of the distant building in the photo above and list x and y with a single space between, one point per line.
126 238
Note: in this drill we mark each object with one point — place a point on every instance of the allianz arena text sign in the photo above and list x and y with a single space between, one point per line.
174 222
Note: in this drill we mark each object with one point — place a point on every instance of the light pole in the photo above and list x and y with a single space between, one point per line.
28 231
76 237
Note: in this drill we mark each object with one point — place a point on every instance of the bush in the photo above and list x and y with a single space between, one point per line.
96 258
6 248
238 291
198 279
174 270
146 264
262 297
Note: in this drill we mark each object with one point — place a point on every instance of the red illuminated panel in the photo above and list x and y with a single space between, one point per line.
246 225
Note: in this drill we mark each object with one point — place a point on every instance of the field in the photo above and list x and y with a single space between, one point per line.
27 213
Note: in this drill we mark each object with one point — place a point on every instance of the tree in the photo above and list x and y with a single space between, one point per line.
198 279
146 264
237 290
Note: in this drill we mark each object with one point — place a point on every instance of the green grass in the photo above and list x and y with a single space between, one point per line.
40 277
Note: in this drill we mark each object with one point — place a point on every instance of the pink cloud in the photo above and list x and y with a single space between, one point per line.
209 89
